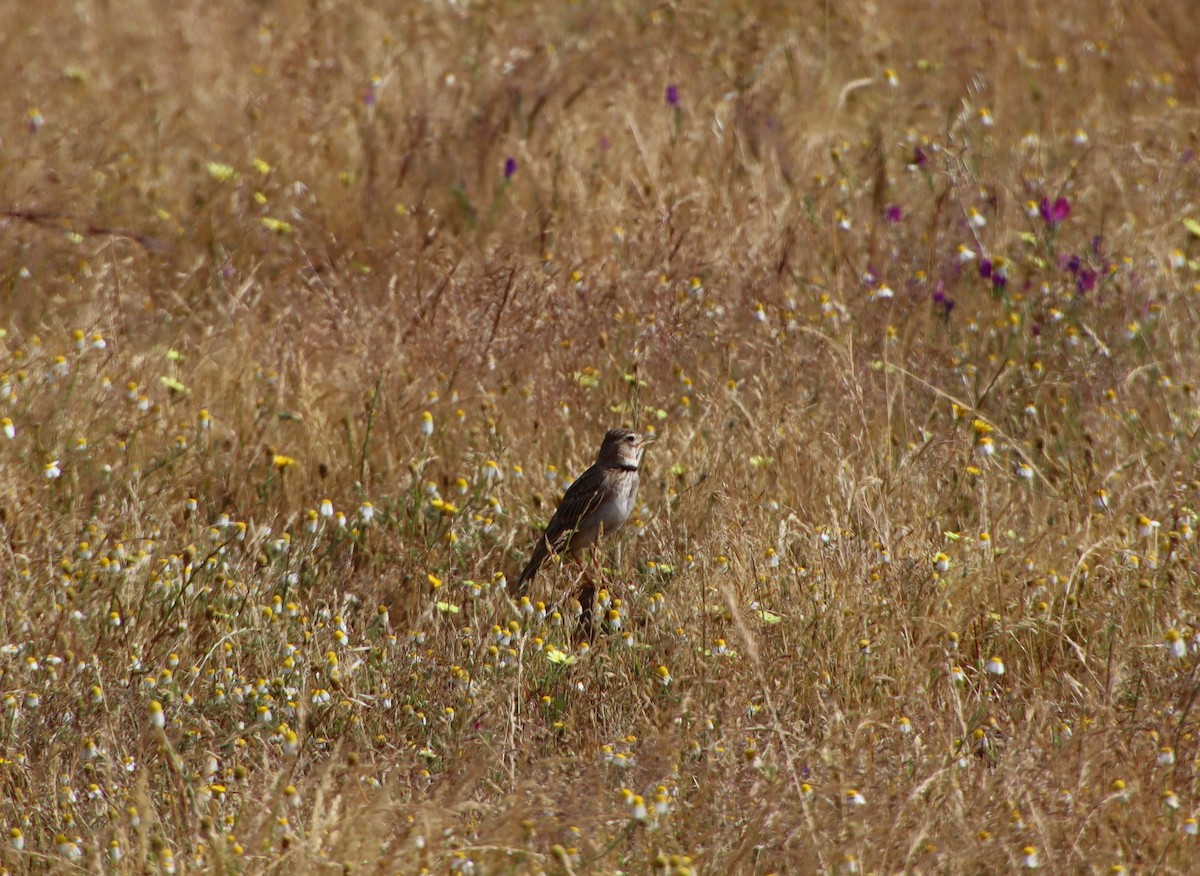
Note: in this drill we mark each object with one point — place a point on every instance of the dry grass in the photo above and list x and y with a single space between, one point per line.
858 499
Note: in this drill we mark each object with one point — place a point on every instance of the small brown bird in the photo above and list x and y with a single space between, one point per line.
596 505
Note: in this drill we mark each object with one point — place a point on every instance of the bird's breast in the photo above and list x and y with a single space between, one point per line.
611 516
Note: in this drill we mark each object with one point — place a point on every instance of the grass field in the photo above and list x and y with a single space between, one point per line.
310 311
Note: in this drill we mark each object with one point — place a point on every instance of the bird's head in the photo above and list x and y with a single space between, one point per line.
623 447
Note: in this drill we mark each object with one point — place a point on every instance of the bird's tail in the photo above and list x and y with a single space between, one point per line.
540 551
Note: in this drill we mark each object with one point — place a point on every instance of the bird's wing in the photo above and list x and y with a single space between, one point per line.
582 497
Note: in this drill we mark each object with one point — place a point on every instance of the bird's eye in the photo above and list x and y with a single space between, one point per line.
629 438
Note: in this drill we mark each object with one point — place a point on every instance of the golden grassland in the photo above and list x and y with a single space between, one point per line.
312 310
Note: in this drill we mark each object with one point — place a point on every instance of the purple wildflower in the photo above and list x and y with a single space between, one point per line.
673 95
1054 213
919 158
893 213
940 299
1085 281
369 93
510 167
985 269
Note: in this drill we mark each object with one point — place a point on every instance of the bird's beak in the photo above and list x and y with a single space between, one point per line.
648 438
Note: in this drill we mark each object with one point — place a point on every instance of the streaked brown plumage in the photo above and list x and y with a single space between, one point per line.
596 505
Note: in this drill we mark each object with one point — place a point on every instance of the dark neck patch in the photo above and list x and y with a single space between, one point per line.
627 466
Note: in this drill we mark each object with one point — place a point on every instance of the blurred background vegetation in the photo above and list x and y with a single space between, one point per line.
311 310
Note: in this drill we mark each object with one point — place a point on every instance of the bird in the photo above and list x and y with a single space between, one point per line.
596 505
